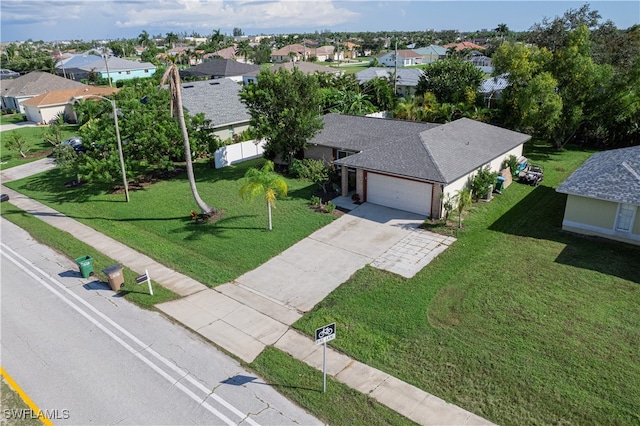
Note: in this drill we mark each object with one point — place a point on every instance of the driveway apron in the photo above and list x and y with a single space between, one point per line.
307 272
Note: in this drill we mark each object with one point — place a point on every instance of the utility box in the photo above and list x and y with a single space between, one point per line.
115 276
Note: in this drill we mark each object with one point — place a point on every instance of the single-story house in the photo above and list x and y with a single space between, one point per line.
409 165
226 53
219 68
305 67
300 52
219 100
47 107
463 45
603 196
108 68
16 91
403 58
406 78
431 53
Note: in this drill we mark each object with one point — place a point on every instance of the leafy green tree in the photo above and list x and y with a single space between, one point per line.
265 182
380 91
17 142
553 34
144 38
451 80
285 110
244 49
171 39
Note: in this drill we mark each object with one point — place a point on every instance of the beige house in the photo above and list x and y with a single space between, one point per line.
603 196
49 106
409 165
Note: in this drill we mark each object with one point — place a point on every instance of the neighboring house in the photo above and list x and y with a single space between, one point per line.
403 58
219 68
406 80
300 52
226 53
492 88
464 45
431 53
479 60
409 165
603 196
305 67
184 54
219 100
15 91
47 107
112 68
69 62
349 49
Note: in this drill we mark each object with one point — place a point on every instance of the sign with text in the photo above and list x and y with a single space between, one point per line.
325 334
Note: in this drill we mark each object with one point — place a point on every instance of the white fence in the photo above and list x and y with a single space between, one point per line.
238 152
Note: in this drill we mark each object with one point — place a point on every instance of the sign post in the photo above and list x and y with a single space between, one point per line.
323 335
145 277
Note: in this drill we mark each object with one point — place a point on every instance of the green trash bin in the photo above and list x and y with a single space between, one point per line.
86 265
500 183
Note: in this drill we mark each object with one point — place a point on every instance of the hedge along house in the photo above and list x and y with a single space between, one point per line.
409 165
603 196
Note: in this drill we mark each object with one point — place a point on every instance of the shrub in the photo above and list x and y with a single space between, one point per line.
329 207
315 200
482 181
512 163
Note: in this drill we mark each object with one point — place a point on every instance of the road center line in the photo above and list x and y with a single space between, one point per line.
145 348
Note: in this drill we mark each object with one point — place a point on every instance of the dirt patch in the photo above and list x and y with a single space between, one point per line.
39 154
145 180
207 217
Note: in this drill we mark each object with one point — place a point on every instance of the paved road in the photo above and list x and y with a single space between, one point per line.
90 357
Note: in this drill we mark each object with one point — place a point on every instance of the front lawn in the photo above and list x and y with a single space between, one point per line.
517 321
38 147
157 221
11 119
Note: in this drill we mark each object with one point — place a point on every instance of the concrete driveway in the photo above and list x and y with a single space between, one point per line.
307 272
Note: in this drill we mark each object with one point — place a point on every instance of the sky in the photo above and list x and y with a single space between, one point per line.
54 20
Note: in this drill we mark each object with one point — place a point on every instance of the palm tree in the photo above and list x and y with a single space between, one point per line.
244 49
264 181
143 38
172 77
502 29
463 202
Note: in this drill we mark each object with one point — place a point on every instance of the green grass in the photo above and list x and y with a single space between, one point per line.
11 402
11 119
340 405
517 321
66 244
157 220
38 147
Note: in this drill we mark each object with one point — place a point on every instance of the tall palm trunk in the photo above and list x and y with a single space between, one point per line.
173 79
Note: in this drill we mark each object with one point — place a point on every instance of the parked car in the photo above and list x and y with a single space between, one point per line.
8 74
75 142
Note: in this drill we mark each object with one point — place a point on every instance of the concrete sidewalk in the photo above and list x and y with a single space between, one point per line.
240 318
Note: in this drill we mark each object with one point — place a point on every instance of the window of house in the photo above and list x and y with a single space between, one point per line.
624 220
128 72
146 71
343 154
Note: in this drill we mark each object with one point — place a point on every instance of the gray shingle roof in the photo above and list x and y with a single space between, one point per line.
218 99
609 175
219 68
36 83
432 152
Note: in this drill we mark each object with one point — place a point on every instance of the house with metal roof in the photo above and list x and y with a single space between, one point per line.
409 165
400 58
431 53
110 68
406 78
17 90
219 100
603 196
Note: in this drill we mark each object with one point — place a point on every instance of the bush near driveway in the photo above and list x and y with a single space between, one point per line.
518 321
158 222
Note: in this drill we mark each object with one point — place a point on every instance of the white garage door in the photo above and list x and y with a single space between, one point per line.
401 194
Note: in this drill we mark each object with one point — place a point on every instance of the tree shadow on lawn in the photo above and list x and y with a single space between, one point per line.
216 229
539 215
